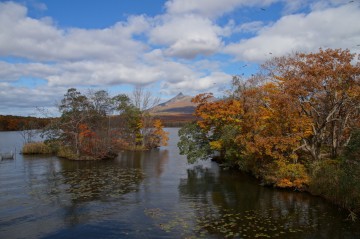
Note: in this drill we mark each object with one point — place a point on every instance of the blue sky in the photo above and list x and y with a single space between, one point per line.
189 46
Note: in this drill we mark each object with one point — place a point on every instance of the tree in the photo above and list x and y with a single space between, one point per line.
272 129
83 131
139 127
220 120
194 143
158 137
325 87
131 120
299 107
143 101
81 128
101 102
75 110
28 131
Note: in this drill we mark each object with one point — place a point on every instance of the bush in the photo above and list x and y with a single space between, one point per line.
352 150
338 181
325 176
286 175
66 152
37 148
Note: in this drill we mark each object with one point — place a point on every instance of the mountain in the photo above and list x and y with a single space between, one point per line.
180 104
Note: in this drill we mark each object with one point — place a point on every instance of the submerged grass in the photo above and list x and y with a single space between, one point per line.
229 223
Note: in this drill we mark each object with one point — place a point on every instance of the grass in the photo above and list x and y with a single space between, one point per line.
37 148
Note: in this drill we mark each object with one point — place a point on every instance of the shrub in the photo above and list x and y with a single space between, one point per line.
66 152
352 150
338 181
287 175
325 176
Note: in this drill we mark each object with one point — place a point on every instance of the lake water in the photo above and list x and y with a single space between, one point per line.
153 194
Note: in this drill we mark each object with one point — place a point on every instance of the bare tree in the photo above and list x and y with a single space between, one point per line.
28 132
143 100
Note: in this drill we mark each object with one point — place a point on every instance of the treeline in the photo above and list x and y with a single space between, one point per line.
17 123
295 124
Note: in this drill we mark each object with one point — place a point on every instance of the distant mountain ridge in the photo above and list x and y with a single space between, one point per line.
180 104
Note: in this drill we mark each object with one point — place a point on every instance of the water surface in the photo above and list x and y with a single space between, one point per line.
153 194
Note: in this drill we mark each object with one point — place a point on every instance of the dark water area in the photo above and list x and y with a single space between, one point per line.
153 194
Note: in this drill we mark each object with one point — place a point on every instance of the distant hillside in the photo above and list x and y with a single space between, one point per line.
15 123
180 104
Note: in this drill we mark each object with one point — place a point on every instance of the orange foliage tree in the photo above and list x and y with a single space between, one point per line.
158 137
220 120
303 104
273 128
325 87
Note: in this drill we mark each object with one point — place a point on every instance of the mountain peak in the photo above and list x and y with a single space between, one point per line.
178 96
179 104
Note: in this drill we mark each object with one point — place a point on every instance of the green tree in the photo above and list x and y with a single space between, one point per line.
194 143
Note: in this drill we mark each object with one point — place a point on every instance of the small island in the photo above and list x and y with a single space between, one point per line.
87 129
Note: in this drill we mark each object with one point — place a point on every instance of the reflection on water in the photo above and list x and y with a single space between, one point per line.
154 160
226 208
82 184
152 194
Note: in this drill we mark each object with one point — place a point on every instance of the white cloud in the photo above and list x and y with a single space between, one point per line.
323 4
102 73
186 36
332 27
211 8
194 84
254 26
34 39
12 72
178 50
216 8
24 100
78 56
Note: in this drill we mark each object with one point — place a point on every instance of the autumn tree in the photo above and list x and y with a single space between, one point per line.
325 87
221 121
80 128
143 101
83 129
302 103
273 128
75 110
158 136
138 127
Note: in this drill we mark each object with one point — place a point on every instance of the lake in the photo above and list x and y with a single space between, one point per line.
153 194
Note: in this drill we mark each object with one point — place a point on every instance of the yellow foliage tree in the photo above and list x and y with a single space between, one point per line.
158 137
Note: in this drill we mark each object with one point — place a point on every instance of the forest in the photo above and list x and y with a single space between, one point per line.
17 123
97 126
295 124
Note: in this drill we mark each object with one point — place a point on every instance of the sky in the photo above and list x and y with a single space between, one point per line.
188 46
